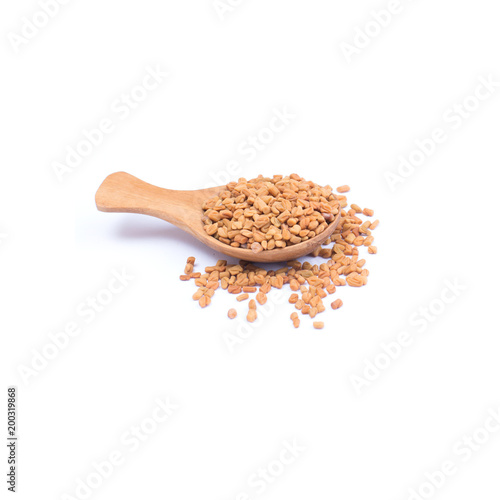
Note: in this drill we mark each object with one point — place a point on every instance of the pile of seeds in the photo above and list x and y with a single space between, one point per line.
310 284
269 212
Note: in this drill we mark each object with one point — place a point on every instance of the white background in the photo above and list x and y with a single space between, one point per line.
352 121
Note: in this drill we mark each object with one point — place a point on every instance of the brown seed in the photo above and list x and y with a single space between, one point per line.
249 289
252 304
368 212
318 325
343 189
243 296
374 224
372 250
232 313
294 315
293 298
336 304
252 315
261 298
198 295
204 301
256 247
355 279
296 322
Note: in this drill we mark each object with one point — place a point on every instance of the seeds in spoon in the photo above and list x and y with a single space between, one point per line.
269 212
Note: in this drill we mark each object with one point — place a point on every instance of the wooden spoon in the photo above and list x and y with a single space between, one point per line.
122 192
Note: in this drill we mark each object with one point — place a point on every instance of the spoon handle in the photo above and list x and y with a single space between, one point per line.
122 192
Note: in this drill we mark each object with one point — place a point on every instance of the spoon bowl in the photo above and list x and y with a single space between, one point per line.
124 193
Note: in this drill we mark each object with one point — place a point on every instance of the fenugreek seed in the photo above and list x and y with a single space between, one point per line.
372 249
358 241
198 295
294 315
261 298
243 296
374 224
368 212
355 279
252 315
343 189
318 325
184 277
357 209
336 304
368 241
204 301
315 301
231 314
256 247
306 297
306 309
293 298
191 260
188 269
252 304
249 289
296 322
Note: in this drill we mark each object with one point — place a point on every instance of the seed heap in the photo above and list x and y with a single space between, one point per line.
310 284
269 212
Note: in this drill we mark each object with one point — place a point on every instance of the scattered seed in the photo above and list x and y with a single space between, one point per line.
337 303
204 301
261 298
252 315
232 313
318 325
343 189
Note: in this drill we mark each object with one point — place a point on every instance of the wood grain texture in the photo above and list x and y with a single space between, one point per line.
122 192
